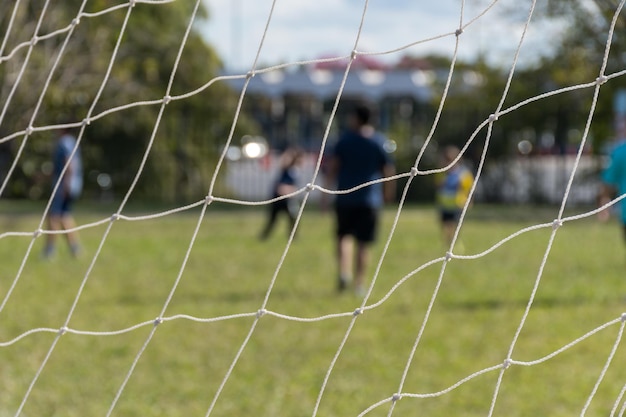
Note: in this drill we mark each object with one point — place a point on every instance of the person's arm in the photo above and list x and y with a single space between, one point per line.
331 169
67 176
287 186
604 196
467 180
66 169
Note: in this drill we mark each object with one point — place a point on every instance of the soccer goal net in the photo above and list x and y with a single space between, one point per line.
181 310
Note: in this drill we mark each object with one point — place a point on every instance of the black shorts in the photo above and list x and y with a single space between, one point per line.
62 203
360 222
448 216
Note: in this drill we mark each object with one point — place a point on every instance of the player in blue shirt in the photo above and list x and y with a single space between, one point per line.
70 186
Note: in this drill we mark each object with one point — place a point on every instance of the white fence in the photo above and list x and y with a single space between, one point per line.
252 179
540 179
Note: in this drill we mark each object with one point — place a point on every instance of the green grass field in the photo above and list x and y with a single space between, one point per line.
478 308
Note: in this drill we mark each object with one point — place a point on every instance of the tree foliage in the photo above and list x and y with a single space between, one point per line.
190 131
578 56
553 124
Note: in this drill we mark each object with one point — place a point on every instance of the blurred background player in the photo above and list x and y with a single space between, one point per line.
285 183
614 183
70 186
357 158
453 188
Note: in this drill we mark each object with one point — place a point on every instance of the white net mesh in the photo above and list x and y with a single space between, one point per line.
134 347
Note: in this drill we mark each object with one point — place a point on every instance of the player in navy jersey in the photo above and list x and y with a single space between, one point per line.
358 157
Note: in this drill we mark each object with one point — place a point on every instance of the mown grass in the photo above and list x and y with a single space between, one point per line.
473 322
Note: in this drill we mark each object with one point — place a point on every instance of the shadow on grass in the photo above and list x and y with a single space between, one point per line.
539 302
237 296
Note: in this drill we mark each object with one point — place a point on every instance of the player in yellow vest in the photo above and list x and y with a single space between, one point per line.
453 188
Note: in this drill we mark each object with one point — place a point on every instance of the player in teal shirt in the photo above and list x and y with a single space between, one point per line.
614 181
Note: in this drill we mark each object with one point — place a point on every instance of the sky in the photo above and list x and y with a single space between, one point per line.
309 29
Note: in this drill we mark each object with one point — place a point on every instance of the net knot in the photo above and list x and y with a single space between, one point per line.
414 171
448 256
601 79
132 3
29 130
353 54
62 330
34 40
458 32
37 233
310 187
167 99
158 321
357 312
623 318
556 224
506 364
396 397
114 217
208 199
86 121
250 74
260 313
493 117
75 21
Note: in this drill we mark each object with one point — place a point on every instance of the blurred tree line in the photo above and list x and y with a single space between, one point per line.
192 131
189 136
554 124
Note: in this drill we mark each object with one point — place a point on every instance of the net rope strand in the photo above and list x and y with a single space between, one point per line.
131 189
558 221
323 146
85 278
433 297
10 24
9 99
23 145
244 343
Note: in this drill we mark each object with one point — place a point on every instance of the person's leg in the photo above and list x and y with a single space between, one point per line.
365 235
67 222
55 213
449 227
291 211
271 220
448 220
54 223
344 260
362 259
344 242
